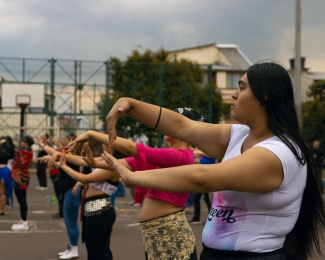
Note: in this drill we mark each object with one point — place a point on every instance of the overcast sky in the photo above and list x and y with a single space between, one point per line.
99 29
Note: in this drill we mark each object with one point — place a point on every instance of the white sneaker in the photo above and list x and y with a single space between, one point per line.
71 254
21 225
41 188
66 251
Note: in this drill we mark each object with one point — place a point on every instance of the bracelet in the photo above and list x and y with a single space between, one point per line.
158 119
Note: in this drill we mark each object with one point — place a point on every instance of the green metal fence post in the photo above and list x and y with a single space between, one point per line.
79 87
23 70
210 93
52 85
94 102
75 89
160 98
107 103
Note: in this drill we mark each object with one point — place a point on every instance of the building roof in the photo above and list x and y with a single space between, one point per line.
231 52
315 75
236 58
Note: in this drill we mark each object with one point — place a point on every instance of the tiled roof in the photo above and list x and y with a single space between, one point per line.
236 58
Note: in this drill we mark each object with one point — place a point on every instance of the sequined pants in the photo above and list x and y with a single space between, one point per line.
168 238
99 217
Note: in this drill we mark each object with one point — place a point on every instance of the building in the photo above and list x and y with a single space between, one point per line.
307 78
227 62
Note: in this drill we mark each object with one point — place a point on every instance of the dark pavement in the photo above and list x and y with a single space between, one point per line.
48 236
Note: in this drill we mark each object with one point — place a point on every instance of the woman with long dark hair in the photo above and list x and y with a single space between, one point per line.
266 204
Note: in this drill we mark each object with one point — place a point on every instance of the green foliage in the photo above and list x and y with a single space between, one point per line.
314 114
142 75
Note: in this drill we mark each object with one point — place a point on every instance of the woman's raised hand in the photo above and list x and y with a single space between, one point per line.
63 161
53 159
75 145
44 159
89 158
119 168
121 107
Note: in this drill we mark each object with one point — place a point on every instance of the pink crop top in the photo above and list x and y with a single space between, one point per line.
154 158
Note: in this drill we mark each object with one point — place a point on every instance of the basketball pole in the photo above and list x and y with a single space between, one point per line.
22 118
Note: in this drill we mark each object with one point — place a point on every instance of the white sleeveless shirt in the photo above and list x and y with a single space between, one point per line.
256 222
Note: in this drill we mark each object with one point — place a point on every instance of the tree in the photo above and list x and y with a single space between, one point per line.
153 78
314 113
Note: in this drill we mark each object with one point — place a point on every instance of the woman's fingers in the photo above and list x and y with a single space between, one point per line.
63 160
91 163
119 109
118 167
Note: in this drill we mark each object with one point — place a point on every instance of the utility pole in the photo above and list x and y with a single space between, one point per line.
297 68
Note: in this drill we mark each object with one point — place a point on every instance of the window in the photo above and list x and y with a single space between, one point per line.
232 79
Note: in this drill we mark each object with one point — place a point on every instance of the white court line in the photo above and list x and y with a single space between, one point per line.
39 212
30 231
133 225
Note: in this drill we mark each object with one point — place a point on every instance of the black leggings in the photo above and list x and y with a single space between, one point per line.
213 254
96 233
58 193
41 174
21 198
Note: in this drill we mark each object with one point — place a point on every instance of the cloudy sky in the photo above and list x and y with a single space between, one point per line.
99 29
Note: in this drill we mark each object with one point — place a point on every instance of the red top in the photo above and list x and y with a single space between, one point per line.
20 175
154 158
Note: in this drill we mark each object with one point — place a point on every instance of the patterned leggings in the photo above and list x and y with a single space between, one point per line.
168 238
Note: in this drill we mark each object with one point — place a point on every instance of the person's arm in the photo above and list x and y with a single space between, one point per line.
165 157
48 149
92 162
97 176
200 153
74 159
256 170
173 124
121 145
76 187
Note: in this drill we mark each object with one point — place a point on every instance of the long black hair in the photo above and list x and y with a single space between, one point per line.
272 86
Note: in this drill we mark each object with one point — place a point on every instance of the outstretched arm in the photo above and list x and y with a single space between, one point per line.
216 137
74 159
98 175
256 170
121 145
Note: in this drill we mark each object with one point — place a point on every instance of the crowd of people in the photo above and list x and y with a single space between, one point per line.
266 183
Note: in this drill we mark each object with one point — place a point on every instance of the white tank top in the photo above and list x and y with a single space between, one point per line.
256 222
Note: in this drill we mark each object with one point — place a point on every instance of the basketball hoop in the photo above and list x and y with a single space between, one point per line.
23 101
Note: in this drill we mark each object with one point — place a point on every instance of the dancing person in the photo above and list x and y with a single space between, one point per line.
70 207
266 203
160 210
54 175
41 166
98 214
6 154
20 175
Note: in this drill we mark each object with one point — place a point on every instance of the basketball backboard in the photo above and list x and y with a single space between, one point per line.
13 94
